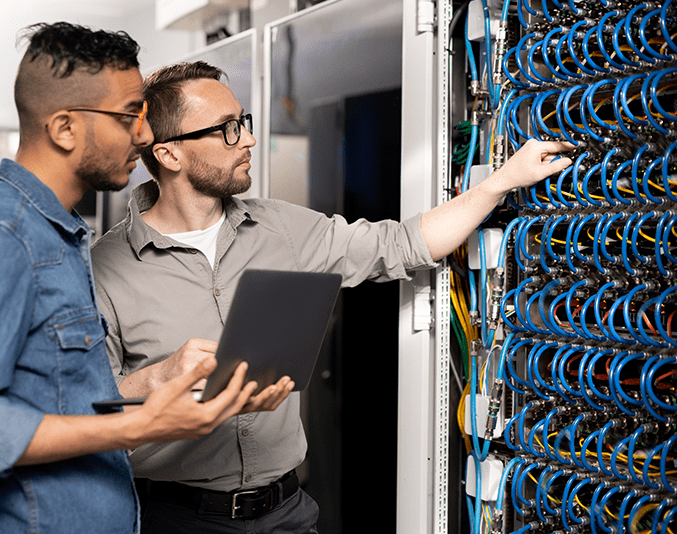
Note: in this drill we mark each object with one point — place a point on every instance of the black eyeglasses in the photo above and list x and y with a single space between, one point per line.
231 130
139 116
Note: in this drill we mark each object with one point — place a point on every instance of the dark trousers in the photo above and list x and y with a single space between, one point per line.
296 515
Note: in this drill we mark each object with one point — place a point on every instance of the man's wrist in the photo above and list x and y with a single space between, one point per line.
494 189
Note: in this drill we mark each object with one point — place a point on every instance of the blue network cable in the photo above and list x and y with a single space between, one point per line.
590 375
648 394
621 512
614 335
594 243
664 25
541 497
601 26
643 39
494 93
573 33
632 445
520 485
597 243
657 312
618 49
589 103
628 32
646 181
584 369
646 105
549 37
646 476
585 47
623 97
635 235
664 467
616 389
570 501
507 471
561 42
655 101
640 324
596 515
564 351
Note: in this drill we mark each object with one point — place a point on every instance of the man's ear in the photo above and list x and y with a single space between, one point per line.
61 130
167 157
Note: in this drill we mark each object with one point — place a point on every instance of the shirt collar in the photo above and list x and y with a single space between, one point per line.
41 197
145 196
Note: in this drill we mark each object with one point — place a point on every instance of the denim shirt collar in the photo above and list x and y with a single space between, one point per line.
41 197
145 196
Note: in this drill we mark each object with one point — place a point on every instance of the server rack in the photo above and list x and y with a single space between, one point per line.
574 349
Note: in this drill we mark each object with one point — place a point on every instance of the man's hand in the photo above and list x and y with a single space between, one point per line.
146 380
270 398
535 161
185 359
447 226
171 412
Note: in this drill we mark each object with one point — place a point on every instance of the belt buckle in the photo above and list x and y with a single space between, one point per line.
235 507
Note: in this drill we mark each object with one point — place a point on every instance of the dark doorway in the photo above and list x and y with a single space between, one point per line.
352 419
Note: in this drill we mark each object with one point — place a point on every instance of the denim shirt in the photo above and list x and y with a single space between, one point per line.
52 361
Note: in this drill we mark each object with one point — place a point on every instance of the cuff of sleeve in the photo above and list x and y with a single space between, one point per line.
19 427
418 256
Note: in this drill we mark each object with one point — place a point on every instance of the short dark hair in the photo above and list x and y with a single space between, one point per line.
55 70
71 46
163 90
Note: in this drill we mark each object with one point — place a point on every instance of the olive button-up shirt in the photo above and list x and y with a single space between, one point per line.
157 293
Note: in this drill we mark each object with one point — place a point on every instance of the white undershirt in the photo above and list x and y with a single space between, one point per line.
203 240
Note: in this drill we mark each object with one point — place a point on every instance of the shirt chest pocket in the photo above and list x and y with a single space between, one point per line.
83 370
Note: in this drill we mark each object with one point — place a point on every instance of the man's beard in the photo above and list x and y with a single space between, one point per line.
215 181
96 171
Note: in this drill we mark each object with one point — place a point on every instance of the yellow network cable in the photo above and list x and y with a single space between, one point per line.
458 293
487 514
550 497
537 238
460 417
638 517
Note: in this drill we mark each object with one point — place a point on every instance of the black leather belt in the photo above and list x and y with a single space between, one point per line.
245 504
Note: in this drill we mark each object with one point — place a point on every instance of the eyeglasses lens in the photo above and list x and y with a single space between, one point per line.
233 128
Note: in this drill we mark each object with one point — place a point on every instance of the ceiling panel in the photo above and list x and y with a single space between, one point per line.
99 8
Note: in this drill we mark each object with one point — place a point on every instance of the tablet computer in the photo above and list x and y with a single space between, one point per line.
276 323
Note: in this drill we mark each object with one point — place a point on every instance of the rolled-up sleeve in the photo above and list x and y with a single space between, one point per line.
20 420
361 250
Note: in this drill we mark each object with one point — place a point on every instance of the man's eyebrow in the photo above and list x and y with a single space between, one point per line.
230 116
136 105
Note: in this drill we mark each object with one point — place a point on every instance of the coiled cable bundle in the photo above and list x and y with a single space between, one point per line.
589 355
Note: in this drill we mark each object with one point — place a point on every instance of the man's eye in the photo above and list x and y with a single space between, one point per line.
231 127
126 119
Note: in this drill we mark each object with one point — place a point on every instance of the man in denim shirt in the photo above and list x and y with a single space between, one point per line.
62 467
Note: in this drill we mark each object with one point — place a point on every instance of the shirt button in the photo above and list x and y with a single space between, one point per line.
245 432
248 478
88 339
193 251
217 292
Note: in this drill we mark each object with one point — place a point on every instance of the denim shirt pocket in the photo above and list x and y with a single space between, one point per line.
81 361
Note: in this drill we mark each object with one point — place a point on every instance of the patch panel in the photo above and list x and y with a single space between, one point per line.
574 352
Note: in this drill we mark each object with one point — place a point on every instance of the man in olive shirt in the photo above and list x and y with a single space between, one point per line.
168 272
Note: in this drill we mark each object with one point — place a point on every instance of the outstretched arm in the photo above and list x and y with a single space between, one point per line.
448 225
